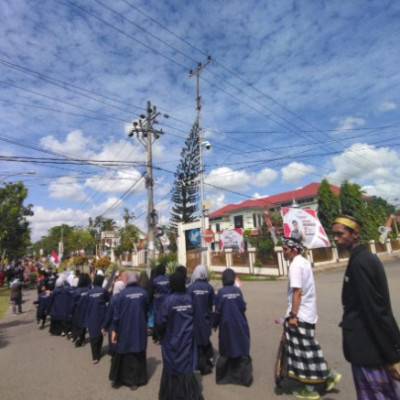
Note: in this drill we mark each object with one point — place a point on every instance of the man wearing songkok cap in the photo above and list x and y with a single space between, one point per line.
371 337
305 360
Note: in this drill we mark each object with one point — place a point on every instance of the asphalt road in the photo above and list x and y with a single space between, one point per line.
37 366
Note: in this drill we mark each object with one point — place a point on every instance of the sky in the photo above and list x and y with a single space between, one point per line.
295 92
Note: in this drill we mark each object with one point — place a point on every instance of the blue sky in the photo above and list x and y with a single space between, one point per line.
295 92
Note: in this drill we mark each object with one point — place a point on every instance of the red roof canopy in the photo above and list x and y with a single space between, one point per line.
309 190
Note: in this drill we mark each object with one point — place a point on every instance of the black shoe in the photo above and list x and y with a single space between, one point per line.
115 385
133 387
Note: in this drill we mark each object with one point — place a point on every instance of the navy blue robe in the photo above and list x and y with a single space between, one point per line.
202 294
96 309
234 333
178 346
60 303
160 289
130 320
80 302
44 303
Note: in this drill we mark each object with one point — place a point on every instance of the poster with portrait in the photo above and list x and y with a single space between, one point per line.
232 239
304 225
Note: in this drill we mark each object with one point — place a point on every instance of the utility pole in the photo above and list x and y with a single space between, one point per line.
196 73
146 134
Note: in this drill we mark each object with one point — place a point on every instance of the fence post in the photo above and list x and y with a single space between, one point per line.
228 253
335 253
282 265
373 246
252 258
389 246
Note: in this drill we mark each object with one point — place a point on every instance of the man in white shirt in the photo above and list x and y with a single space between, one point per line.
305 359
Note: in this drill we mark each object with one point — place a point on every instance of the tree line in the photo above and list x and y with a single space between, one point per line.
372 211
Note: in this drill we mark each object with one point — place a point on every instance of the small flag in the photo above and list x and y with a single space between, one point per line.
54 257
238 282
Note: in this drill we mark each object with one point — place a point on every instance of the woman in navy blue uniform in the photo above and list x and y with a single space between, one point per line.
129 334
178 381
107 328
203 300
98 298
160 289
234 363
59 306
79 308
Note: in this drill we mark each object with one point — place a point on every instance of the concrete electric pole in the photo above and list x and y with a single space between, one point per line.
196 73
146 134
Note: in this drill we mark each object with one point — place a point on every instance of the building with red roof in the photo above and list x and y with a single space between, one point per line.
249 213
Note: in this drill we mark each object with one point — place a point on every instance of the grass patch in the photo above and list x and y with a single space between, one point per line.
4 300
257 278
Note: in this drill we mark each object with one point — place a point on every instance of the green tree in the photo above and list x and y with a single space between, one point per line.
374 217
185 193
351 200
128 236
14 226
80 239
263 243
376 202
73 238
127 216
371 212
328 206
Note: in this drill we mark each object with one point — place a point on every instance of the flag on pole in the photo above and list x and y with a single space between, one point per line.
54 258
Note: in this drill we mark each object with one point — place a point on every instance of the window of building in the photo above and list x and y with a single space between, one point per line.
257 220
238 221
217 227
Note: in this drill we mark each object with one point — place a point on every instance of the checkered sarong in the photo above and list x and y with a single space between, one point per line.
305 359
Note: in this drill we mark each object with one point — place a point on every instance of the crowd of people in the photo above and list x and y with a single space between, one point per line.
179 313
175 311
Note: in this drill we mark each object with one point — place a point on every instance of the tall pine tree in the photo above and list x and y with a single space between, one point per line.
185 195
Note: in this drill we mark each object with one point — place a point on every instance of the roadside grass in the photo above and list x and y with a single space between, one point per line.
257 278
248 278
4 300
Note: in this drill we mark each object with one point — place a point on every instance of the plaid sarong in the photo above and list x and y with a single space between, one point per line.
305 359
375 383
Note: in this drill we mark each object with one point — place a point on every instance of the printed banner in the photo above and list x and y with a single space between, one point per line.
303 224
232 239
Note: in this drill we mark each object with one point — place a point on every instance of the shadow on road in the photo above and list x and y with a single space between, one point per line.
9 324
152 363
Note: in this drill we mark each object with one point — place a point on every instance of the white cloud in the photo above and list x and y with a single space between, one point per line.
122 181
75 144
44 219
364 162
295 171
217 200
264 177
66 187
387 190
225 177
347 123
387 106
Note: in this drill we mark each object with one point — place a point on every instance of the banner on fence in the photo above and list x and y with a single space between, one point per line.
304 225
232 239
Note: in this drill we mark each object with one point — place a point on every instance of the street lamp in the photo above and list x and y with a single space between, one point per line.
17 174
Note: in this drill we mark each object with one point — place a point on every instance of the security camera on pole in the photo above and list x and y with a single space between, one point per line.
196 73
146 134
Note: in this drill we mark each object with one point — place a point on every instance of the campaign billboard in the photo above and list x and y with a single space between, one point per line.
303 224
